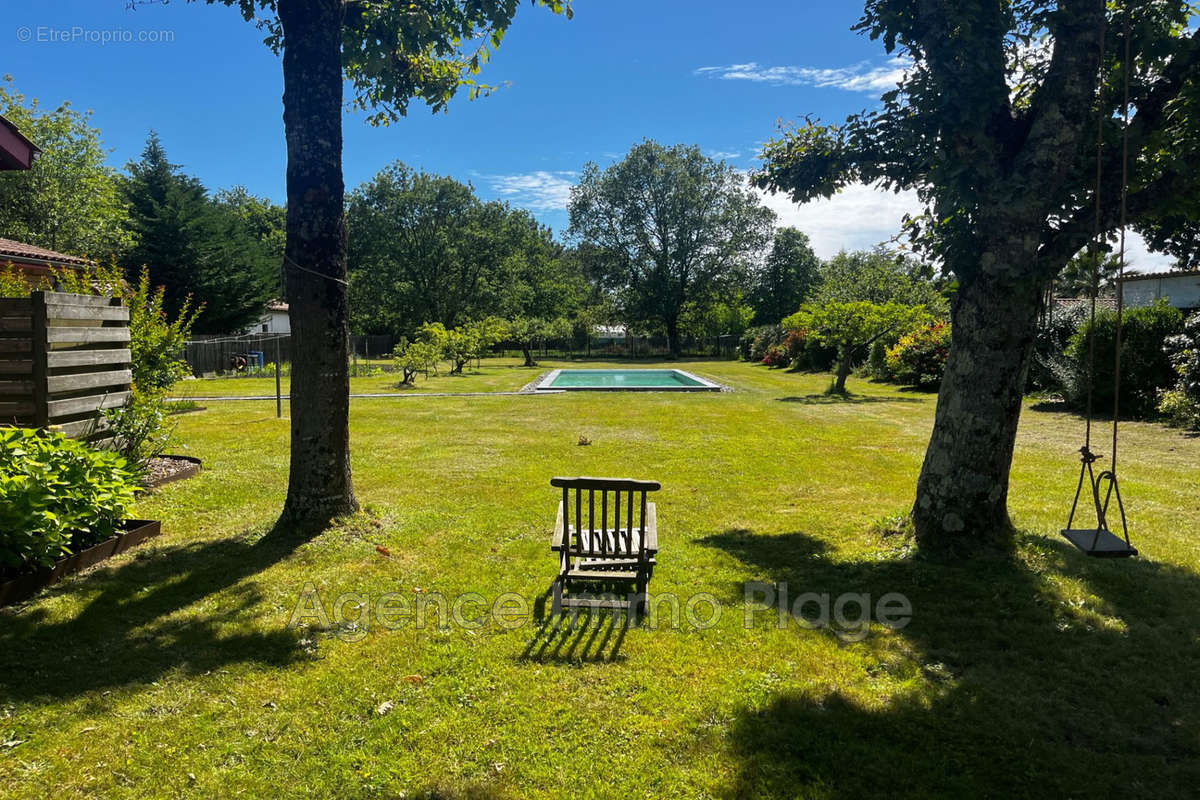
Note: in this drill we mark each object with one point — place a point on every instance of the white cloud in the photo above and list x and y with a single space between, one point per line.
861 77
1139 257
861 216
537 191
722 155
858 217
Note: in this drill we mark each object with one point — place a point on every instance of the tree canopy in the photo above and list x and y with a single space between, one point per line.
423 248
995 125
197 247
69 200
665 226
787 277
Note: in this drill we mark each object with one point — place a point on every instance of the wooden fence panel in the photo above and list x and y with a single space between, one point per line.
63 359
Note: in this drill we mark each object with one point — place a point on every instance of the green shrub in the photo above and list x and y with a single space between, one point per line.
1049 364
1181 405
1146 368
57 496
762 339
140 430
156 342
919 358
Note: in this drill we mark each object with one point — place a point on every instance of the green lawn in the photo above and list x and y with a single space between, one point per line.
172 670
493 375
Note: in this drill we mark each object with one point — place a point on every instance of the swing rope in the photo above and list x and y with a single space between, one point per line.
1089 541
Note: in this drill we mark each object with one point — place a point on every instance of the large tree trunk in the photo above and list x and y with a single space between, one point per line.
527 351
672 324
319 484
962 494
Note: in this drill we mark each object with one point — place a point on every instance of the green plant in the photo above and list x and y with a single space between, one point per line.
156 341
139 429
1181 405
1146 368
919 358
413 357
57 496
851 327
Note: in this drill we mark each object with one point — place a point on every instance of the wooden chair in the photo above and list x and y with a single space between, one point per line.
608 537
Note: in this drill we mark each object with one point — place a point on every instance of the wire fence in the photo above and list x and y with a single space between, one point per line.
257 353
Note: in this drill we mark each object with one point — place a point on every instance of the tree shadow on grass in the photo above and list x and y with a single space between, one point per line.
1002 684
847 399
151 615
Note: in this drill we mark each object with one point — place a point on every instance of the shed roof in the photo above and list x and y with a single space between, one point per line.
11 250
16 152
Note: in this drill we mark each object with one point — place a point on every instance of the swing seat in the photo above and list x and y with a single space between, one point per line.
1105 545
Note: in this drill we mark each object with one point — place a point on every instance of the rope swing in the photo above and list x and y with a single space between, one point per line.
1100 541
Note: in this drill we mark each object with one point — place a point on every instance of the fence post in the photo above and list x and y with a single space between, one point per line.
39 345
278 394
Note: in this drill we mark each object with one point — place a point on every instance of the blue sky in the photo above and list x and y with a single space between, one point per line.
715 74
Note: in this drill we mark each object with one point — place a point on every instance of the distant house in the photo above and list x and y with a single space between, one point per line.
1180 289
16 152
35 262
275 320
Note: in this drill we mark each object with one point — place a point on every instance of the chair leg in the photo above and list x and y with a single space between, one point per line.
556 601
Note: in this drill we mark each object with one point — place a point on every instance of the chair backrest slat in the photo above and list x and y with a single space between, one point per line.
597 541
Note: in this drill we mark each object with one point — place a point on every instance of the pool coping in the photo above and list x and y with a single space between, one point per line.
543 383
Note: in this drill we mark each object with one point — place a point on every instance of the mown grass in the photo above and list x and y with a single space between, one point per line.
491 375
171 671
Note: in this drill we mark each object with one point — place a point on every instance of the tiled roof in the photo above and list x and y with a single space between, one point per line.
277 305
10 249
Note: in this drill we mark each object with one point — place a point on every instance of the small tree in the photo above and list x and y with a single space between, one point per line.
416 357
853 327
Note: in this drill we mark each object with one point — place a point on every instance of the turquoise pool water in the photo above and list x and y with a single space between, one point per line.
627 379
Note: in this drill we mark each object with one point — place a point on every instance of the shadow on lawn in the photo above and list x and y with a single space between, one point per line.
1004 686
847 399
131 631
570 638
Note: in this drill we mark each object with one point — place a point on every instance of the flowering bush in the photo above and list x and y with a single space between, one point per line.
776 356
919 358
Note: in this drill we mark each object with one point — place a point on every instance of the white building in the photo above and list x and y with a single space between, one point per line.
1180 289
275 320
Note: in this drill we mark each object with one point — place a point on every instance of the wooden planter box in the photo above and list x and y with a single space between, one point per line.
26 585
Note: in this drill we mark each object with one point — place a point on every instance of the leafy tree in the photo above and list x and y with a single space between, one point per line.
423 248
417 356
1080 274
260 218
194 247
69 200
788 277
665 226
389 53
995 126
724 318
529 331
878 276
852 327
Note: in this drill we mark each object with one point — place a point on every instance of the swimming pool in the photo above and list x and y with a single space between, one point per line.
626 380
